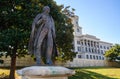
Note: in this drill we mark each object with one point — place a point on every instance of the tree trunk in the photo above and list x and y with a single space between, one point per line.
13 65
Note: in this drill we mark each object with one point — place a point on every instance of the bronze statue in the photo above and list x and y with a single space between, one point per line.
42 39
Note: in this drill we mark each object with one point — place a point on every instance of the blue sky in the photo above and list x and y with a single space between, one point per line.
100 18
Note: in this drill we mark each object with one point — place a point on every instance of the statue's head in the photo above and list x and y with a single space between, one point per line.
46 9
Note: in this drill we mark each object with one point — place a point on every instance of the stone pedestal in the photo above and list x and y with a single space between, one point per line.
39 77
45 72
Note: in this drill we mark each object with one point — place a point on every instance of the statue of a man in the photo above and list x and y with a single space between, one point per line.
42 39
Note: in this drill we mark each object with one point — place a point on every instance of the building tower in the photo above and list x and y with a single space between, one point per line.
87 46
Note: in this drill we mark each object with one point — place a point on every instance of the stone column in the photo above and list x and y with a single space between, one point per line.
83 42
87 43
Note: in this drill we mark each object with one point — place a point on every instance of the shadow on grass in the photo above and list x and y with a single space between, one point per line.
4 76
92 67
84 74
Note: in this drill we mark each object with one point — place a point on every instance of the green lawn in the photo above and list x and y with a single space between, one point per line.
96 73
88 73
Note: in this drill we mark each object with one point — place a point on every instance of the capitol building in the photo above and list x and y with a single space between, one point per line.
89 49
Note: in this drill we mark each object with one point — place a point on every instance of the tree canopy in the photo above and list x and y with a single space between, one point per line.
16 20
113 54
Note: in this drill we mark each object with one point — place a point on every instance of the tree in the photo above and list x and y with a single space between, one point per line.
113 54
16 19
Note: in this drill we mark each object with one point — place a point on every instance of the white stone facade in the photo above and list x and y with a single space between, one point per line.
88 46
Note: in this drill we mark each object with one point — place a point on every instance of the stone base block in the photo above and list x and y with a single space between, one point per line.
45 72
27 77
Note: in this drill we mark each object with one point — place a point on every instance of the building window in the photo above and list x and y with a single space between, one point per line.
82 43
95 50
89 50
101 51
76 22
90 56
100 57
78 48
92 50
104 47
91 44
94 44
85 44
78 42
88 44
87 56
83 49
93 57
79 56
97 57
98 51
101 47
78 30
97 46
86 49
